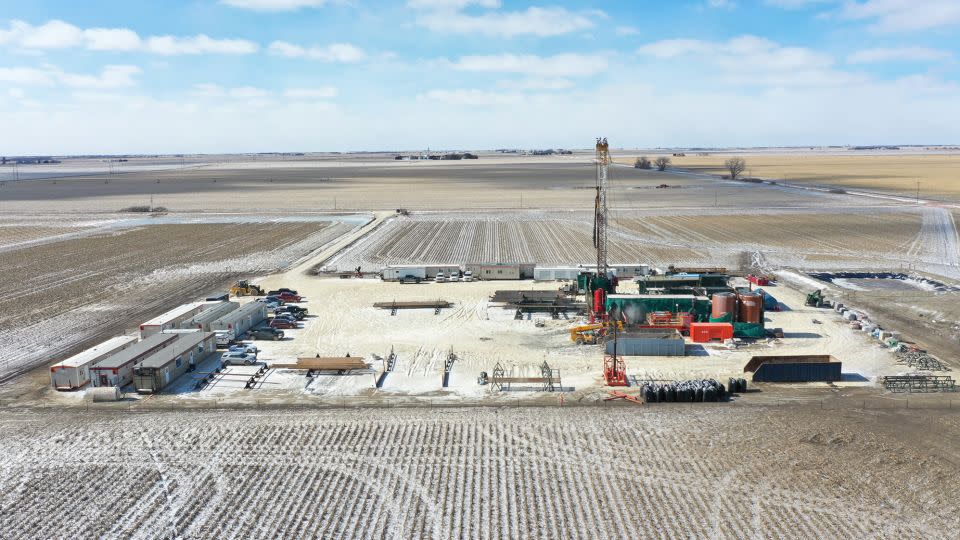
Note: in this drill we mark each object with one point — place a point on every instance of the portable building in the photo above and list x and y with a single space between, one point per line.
201 321
554 273
629 271
648 343
157 371
702 332
171 319
400 271
117 369
496 271
238 321
74 372
794 368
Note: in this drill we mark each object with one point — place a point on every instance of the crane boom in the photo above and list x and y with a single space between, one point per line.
600 217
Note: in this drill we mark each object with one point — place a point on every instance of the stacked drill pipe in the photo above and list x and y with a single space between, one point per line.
702 390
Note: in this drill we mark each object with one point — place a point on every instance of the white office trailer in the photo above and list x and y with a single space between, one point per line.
237 322
201 321
74 372
401 271
172 318
117 369
557 273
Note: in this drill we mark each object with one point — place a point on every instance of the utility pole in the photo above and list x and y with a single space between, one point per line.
918 193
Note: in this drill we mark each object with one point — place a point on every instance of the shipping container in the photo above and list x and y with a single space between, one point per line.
566 273
651 343
117 369
74 372
701 332
155 372
794 368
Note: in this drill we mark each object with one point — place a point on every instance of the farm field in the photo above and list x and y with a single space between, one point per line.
442 186
895 174
84 288
667 472
888 237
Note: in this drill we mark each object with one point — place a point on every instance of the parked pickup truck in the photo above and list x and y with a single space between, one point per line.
224 339
244 348
285 311
288 297
282 323
282 290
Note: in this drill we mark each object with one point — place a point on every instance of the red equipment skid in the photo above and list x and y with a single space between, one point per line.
614 370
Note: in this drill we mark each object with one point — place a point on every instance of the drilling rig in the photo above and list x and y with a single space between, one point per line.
603 283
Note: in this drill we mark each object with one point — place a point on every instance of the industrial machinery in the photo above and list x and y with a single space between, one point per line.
614 368
592 333
601 284
245 288
815 299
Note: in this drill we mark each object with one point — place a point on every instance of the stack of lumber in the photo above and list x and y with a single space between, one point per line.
335 363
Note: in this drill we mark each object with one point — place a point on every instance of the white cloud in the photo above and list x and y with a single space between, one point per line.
472 97
535 21
16 93
538 84
721 4
109 77
898 54
903 15
451 4
273 5
626 31
323 92
57 34
561 65
201 44
754 60
795 4
112 39
207 90
336 52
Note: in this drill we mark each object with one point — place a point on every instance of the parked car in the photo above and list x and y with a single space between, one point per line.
287 297
283 310
282 290
282 323
238 358
294 309
468 276
454 278
285 317
271 304
441 277
244 348
410 279
265 332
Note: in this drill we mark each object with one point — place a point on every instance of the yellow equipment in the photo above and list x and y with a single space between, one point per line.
245 288
589 333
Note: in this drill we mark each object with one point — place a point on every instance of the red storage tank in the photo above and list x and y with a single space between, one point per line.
751 308
599 299
724 303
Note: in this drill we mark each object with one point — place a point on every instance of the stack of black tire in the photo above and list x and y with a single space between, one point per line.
702 390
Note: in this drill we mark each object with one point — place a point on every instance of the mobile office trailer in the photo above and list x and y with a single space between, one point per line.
238 321
117 369
568 273
155 372
201 321
172 318
398 272
74 372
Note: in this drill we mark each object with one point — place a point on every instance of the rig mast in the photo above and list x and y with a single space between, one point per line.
600 214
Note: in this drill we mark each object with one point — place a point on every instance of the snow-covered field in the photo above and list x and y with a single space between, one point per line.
665 472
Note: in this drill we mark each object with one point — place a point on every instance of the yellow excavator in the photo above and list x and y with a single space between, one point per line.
588 334
245 288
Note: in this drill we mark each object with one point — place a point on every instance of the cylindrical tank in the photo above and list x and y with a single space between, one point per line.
724 303
599 299
751 308
104 393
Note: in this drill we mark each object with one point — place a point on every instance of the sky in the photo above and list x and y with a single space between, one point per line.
212 76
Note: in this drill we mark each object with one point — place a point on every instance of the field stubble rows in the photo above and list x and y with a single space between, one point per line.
468 473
